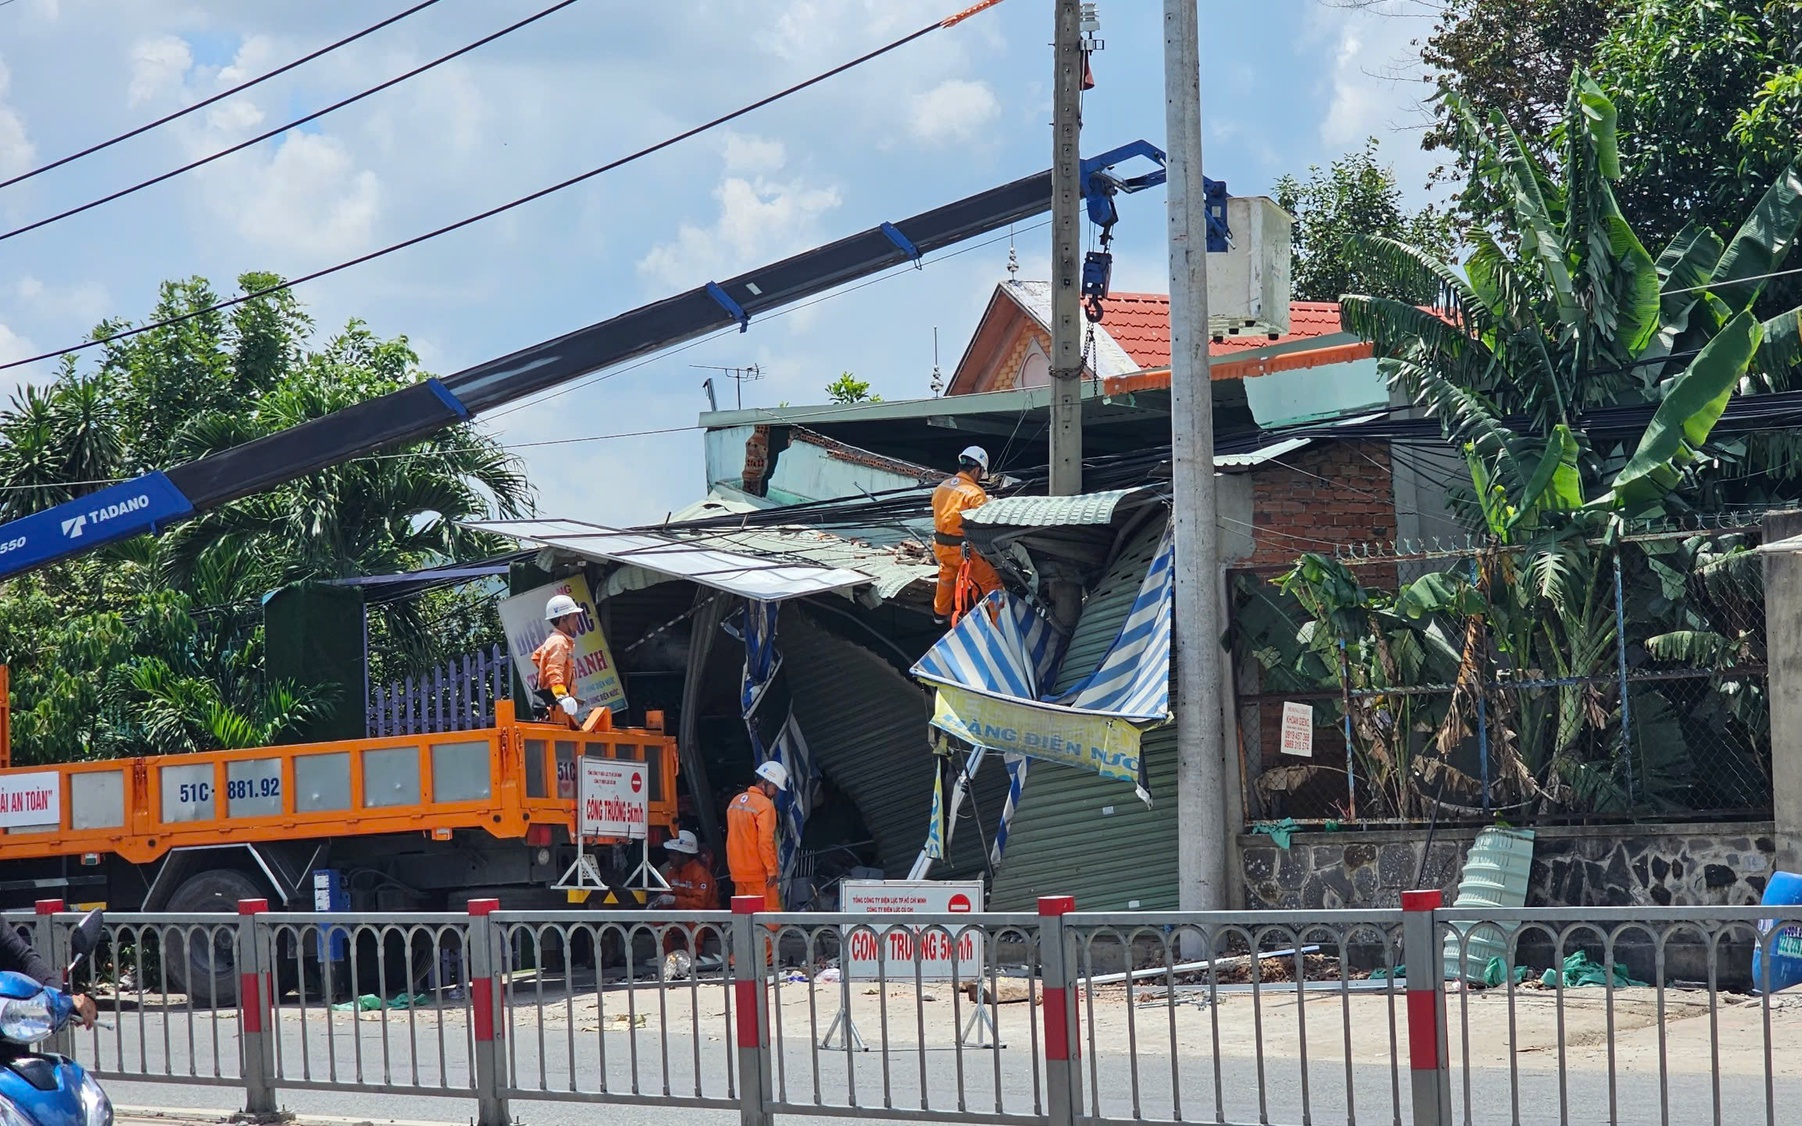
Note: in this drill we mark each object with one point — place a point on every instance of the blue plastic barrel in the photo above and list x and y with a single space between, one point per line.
1784 890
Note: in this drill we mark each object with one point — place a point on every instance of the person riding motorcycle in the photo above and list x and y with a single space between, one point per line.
17 956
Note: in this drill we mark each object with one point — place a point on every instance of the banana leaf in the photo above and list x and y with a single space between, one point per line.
1683 421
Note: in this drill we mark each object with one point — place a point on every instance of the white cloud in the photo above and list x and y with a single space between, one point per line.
16 149
309 199
954 110
256 54
84 302
750 154
1370 90
760 219
806 29
158 67
13 346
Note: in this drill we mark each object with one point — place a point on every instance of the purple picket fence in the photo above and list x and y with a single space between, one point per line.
458 695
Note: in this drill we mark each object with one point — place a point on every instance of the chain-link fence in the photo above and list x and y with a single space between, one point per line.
1574 680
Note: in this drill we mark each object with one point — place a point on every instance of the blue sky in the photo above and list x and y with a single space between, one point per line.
1286 84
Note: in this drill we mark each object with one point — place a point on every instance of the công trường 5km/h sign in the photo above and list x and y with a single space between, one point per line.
893 949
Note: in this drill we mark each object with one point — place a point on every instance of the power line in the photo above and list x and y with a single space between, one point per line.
279 129
505 207
221 96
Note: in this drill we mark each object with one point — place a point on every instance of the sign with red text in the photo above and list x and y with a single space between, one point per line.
937 950
613 798
31 799
1298 729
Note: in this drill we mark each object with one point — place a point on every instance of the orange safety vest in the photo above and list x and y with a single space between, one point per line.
692 885
556 662
751 844
955 496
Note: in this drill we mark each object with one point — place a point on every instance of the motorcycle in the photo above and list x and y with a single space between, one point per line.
43 1088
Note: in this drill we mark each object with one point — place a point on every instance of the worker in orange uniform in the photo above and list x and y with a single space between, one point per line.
690 889
954 497
751 842
556 659
751 837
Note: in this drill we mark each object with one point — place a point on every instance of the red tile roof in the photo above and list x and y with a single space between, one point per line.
1140 322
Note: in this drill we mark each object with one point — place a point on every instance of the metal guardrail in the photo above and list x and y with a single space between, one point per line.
1061 1018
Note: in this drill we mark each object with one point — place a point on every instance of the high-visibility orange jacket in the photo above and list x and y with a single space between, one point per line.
556 664
692 885
955 496
751 845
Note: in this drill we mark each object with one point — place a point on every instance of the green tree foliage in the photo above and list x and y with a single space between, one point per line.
1709 94
1513 57
1354 195
155 645
847 388
1561 311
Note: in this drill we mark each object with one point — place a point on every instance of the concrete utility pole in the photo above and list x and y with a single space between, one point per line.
1066 255
1200 763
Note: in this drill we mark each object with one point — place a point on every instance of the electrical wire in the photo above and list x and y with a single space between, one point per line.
216 98
279 129
509 206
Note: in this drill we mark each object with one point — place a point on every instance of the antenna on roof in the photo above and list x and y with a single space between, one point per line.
938 378
739 377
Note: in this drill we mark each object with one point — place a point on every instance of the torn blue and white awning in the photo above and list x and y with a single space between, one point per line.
991 671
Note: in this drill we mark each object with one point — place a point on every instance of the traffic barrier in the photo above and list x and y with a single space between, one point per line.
1058 1018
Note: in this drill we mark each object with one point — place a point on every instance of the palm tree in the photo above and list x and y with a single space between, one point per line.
157 642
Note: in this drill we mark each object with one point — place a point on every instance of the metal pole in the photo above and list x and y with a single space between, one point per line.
1620 649
255 1000
1060 1012
1200 761
1066 255
488 1019
1423 960
750 1015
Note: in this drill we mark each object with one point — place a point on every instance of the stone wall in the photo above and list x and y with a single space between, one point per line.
1589 866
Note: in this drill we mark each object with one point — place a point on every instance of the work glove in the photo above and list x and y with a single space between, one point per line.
568 704
664 901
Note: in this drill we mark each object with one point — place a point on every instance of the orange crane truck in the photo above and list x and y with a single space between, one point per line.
399 823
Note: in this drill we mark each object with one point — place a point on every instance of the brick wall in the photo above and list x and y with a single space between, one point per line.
1331 493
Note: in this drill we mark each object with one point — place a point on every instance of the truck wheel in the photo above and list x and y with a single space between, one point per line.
206 971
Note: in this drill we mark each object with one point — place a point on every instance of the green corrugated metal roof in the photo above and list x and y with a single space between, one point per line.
1049 512
1076 833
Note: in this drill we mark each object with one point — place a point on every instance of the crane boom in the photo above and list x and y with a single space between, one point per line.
155 500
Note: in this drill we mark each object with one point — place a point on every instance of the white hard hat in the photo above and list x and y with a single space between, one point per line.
774 773
560 606
683 842
976 454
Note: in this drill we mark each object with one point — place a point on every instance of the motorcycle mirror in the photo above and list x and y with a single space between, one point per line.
86 936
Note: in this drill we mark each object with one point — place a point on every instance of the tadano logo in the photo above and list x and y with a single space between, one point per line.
75 525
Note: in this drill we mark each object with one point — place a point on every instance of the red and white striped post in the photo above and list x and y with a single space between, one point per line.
1424 959
485 1006
1063 1037
44 942
750 1016
256 1043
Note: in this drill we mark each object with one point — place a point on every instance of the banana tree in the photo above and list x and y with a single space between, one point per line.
1562 313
